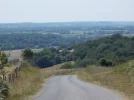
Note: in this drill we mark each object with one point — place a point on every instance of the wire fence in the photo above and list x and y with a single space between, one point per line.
12 76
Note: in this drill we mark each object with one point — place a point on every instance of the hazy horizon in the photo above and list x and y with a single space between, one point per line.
48 11
61 22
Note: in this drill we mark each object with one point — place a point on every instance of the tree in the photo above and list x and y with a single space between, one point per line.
103 62
27 54
67 66
3 59
3 87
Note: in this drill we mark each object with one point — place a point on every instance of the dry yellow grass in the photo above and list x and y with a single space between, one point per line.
117 78
28 83
17 54
10 68
14 54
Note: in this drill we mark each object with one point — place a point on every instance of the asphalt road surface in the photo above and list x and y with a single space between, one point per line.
70 88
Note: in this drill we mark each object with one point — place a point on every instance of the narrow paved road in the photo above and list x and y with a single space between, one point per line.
70 88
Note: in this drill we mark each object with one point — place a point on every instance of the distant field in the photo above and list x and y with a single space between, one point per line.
17 54
129 35
14 54
37 50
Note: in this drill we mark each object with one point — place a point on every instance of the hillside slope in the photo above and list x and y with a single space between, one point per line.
120 78
114 49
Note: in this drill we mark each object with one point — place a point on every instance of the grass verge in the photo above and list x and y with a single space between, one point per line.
120 78
29 82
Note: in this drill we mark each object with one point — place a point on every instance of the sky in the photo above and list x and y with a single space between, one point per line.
13 11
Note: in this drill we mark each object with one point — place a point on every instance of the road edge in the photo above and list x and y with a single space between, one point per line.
39 91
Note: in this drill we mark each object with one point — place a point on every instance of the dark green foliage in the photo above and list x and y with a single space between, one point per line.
21 41
133 38
104 62
3 59
50 56
107 51
33 40
4 91
67 66
82 63
109 63
27 54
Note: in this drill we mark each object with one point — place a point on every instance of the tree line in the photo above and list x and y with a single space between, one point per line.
34 40
21 41
107 51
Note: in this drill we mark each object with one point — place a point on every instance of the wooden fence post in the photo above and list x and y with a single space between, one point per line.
12 77
5 78
9 78
16 74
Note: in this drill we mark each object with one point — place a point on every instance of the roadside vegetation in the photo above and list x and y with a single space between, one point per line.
4 90
30 80
120 77
68 65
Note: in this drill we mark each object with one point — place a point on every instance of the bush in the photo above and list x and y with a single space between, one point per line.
27 54
104 62
67 66
82 63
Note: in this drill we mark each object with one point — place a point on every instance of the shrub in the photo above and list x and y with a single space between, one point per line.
104 62
67 66
82 63
27 54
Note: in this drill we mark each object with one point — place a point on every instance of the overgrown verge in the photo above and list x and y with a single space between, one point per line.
120 78
28 83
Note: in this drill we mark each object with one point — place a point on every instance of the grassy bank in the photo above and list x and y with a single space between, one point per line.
29 82
120 78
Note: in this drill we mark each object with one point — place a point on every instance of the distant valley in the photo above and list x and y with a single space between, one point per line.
40 35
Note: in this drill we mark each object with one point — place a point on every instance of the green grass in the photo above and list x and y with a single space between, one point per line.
120 78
